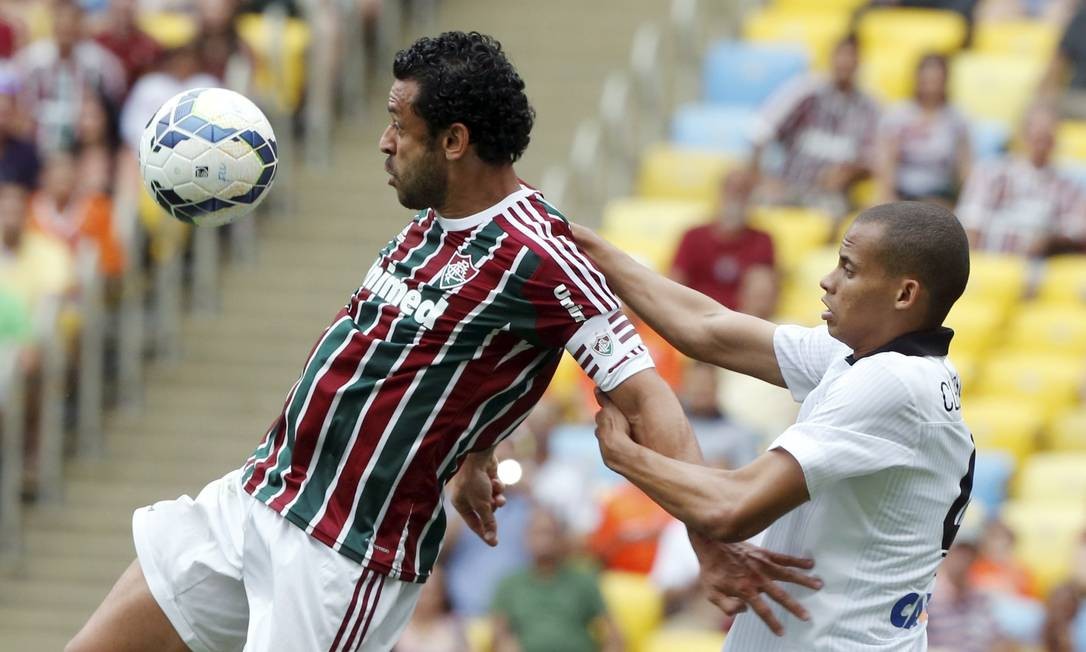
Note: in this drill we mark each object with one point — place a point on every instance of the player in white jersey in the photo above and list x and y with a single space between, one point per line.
872 479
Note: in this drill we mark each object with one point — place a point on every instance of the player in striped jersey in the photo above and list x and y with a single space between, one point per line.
322 539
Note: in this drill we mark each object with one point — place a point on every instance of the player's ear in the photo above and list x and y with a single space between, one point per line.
456 141
908 294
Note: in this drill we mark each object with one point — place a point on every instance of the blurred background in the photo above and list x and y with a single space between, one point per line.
727 144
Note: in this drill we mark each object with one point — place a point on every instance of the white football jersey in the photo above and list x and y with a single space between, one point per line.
889 468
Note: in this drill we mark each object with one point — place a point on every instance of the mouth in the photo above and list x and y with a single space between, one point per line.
827 314
391 174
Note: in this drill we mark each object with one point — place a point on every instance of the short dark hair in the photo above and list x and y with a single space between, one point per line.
466 78
926 241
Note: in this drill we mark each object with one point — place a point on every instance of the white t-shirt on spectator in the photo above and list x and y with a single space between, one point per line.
148 96
888 464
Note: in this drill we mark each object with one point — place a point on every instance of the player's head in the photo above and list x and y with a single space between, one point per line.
546 537
901 267
735 192
67 24
456 100
932 75
846 59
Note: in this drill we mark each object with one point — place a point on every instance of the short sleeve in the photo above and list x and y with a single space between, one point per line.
804 355
866 423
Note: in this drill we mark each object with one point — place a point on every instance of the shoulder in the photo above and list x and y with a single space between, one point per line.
885 381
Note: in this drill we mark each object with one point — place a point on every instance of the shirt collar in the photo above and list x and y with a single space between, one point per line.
934 341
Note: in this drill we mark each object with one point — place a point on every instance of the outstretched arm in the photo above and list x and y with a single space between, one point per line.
692 322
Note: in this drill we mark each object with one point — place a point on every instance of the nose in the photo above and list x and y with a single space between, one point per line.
387 144
827 283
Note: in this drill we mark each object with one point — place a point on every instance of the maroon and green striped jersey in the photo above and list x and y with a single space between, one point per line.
449 342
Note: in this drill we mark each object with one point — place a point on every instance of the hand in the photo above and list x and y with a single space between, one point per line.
612 430
736 574
477 493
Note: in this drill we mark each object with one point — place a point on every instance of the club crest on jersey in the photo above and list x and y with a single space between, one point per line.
457 272
603 345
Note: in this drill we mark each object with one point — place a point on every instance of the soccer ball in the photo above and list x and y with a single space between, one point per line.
208 156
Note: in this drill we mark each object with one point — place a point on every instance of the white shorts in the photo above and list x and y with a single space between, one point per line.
232 574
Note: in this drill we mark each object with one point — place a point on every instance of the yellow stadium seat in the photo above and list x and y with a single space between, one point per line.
650 229
1050 382
1030 38
818 31
996 277
1046 536
795 231
912 30
280 69
634 603
1064 280
1053 477
995 87
1068 431
480 634
1071 142
888 73
819 5
169 29
800 301
1004 425
966 365
679 173
1057 329
976 325
686 640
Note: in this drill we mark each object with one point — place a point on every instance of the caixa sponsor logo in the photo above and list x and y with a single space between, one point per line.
910 611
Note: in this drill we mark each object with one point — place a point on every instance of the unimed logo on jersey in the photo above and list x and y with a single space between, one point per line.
565 299
384 284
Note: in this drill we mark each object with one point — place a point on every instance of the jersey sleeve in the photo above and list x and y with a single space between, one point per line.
574 308
867 422
804 355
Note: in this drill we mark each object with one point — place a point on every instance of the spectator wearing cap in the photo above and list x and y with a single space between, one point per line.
1021 204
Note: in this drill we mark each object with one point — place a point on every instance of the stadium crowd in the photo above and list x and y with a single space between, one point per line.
585 560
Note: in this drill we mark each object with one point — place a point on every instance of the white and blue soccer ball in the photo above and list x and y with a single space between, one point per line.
208 156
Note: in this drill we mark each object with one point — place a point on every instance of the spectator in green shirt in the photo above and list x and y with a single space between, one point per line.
551 606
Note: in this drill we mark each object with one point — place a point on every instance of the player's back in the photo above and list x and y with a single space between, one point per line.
877 538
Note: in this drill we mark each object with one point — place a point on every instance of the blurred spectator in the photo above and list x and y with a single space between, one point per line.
964 7
57 71
727 259
122 36
1023 204
628 531
177 71
996 568
925 148
552 604
222 52
95 147
61 211
433 627
1065 80
9 36
724 442
18 156
1057 634
826 130
960 617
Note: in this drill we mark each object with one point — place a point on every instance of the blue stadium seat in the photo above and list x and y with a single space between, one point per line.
746 74
719 128
990 138
990 477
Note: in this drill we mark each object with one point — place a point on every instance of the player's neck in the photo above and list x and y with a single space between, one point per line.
476 187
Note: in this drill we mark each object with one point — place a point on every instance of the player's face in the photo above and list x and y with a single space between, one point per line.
860 294
416 163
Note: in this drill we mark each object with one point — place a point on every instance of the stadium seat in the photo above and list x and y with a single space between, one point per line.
976 325
999 424
1056 329
1067 431
1023 37
888 73
686 640
713 127
635 604
818 31
170 29
1053 477
1048 383
1064 280
280 69
669 172
650 228
746 74
991 475
800 301
994 86
996 277
967 366
1046 536
820 5
1071 142
795 231
990 138
912 30
480 634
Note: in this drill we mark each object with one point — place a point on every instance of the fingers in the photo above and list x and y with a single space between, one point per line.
782 598
793 576
766 614
489 527
782 559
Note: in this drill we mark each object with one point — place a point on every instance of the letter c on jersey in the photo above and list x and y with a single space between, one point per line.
907 610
